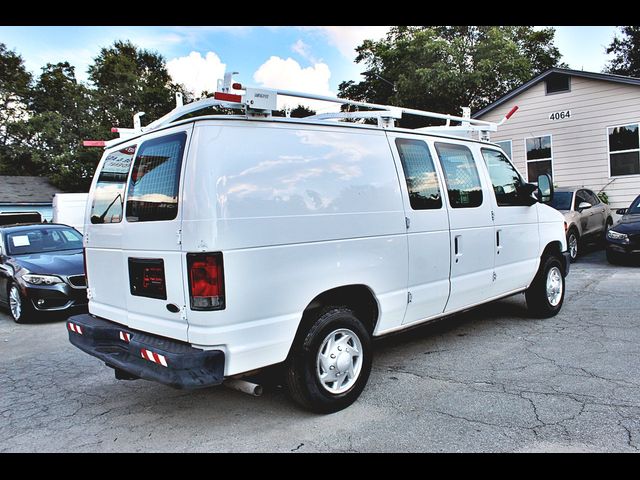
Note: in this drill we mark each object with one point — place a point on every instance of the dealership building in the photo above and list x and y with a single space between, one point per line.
580 127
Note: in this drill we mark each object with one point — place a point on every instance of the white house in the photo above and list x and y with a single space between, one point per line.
581 127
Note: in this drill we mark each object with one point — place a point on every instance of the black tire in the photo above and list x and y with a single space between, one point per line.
573 233
613 258
302 380
538 303
26 310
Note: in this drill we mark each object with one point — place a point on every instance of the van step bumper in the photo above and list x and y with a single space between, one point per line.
147 356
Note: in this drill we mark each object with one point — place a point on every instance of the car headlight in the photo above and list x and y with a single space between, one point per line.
41 279
622 237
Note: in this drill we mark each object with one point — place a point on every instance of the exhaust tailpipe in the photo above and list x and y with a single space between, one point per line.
243 386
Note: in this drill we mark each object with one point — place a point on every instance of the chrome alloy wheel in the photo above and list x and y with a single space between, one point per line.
339 361
15 302
554 286
573 245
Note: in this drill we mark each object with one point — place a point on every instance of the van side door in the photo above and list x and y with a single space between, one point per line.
516 225
471 226
427 228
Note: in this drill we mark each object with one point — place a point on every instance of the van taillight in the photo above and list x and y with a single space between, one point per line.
206 281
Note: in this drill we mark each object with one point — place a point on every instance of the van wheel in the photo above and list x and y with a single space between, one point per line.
329 367
572 244
545 295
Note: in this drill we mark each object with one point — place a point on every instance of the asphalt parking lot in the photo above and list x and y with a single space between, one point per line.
489 380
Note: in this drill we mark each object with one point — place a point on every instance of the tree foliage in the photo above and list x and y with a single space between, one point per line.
445 68
15 84
129 80
43 121
626 52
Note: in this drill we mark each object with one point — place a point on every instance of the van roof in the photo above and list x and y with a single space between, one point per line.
298 121
259 105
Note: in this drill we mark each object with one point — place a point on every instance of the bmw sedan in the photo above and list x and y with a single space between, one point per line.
41 270
623 239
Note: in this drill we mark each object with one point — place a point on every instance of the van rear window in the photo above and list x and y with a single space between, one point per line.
154 182
108 196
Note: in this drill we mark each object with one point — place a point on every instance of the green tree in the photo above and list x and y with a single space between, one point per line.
627 53
129 80
15 87
63 116
445 68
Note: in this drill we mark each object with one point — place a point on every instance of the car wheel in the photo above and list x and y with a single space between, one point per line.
545 295
329 366
19 307
573 240
613 258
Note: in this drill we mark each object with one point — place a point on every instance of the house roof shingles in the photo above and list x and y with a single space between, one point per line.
23 189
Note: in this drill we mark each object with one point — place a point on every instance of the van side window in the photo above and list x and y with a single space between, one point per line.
461 175
155 178
504 178
420 174
108 196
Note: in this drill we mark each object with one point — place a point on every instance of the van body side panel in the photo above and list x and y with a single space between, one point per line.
551 227
516 229
296 210
471 236
268 288
428 243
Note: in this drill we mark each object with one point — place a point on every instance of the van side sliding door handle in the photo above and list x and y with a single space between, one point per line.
457 245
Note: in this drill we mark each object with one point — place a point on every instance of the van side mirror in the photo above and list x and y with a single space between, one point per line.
621 211
545 188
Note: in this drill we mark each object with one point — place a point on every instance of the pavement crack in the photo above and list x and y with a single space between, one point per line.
297 448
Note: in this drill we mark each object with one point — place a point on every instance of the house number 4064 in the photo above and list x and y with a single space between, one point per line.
560 115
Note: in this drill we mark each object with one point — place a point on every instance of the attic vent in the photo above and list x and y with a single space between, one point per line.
557 83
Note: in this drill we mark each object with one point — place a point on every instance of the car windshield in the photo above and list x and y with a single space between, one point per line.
562 200
634 209
43 239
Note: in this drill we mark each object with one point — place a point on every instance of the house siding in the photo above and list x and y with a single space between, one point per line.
579 144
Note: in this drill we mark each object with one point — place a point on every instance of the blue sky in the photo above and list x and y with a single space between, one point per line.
314 59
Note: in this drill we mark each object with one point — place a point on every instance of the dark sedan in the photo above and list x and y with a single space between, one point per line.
623 239
41 270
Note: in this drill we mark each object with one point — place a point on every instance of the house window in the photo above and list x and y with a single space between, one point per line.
539 157
506 146
624 151
557 83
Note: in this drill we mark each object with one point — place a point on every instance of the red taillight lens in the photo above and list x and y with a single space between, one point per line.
206 281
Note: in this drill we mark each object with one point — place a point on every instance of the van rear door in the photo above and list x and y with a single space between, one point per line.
139 277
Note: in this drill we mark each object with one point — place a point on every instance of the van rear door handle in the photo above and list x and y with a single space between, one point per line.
457 244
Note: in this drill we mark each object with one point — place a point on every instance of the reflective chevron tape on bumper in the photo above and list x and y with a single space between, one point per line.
125 337
153 357
74 328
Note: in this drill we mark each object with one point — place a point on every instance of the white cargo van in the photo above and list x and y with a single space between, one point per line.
219 245
69 209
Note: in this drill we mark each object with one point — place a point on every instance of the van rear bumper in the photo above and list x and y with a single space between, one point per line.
147 356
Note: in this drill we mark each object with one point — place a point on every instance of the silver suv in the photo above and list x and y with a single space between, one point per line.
586 217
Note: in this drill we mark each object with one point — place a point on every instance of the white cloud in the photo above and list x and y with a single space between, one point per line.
289 75
196 72
346 39
304 51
